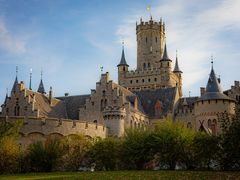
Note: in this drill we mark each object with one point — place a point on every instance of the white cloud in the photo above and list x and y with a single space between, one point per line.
193 33
10 43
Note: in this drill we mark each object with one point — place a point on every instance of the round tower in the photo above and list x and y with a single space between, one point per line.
212 103
114 118
178 73
122 68
150 42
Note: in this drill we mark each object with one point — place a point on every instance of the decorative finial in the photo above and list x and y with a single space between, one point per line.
122 43
16 71
212 61
41 73
176 54
149 10
101 69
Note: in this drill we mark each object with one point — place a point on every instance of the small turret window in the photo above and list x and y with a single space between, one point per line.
168 64
143 80
130 81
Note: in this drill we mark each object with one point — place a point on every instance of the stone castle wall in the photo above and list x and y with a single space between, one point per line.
35 129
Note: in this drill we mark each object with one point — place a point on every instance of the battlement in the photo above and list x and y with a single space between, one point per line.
157 25
114 111
137 73
63 127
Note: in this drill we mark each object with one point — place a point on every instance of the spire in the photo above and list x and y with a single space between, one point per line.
176 68
16 81
5 101
30 80
123 60
213 84
41 88
165 54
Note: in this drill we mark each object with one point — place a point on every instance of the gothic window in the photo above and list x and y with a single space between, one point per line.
144 66
130 81
209 123
155 79
105 103
143 80
103 92
17 110
168 64
136 81
156 39
149 80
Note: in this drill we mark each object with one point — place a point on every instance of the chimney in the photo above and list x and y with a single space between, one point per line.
202 91
136 103
50 96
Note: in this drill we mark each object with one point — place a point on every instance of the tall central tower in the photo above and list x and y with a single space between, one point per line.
150 44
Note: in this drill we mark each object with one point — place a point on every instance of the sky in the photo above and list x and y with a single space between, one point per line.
71 40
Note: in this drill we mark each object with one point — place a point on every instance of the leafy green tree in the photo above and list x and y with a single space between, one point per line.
136 149
171 144
44 157
105 154
75 148
9 150
229 155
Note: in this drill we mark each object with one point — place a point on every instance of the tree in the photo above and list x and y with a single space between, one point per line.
229 155
9 150
135 149
75 148
105 154
44 156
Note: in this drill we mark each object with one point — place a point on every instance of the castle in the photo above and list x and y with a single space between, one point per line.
140 98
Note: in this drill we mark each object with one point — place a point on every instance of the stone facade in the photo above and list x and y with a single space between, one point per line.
154 68
142 97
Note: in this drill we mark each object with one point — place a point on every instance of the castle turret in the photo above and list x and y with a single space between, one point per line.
122 68
166 62
178 73
150 42
114 118
212 103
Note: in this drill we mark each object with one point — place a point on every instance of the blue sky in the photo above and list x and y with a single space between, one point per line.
71 40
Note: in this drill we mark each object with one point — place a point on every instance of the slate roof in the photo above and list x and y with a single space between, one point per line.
41 88
165 54
123 60
176 68
213 89
15 84
189 100
72 104
56 109
131 99
148 99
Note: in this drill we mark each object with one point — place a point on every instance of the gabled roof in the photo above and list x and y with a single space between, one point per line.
73 103
123 61
149 98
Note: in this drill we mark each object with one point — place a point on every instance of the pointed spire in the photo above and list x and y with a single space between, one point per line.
30 79
41 88
16 81
123 60
5 101
165 54
213 84
176 68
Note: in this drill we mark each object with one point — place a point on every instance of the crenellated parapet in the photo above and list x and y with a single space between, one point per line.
34 129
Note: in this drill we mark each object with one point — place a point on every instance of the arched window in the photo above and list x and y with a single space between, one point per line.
209 123
149 66
155 79
156 39
143 80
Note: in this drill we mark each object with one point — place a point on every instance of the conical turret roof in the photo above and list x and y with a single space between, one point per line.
41 88
123 61
213 89
165 54
176 68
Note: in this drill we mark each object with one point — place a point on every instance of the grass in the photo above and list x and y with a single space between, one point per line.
125 175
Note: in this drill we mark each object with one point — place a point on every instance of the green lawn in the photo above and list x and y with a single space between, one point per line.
124 175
